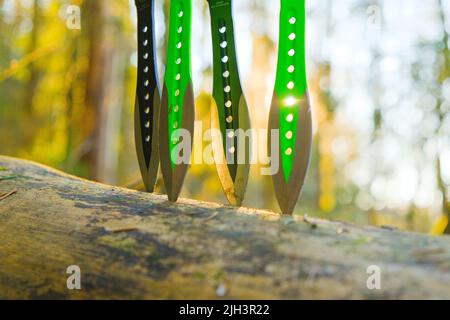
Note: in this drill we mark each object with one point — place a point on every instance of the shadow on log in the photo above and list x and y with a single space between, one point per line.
136 245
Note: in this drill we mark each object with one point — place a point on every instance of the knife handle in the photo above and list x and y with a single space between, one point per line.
227 90
290 121
147 95
178 71
291 82
291 70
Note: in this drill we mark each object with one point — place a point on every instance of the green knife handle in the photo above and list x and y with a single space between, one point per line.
291 82
178 71
227 90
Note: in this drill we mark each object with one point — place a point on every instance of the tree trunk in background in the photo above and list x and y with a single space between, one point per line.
3 46
73 44
323 111
264 63
112 113
34 75
443 76
260 95
442 187
447 212
324 116
34 72
96 80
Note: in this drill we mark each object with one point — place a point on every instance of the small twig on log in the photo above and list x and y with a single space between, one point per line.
124 230
6 195
211 216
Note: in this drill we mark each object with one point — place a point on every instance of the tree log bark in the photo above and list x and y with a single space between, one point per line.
136 245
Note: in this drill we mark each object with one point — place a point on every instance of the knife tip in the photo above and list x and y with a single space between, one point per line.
286 208
234 202
173 197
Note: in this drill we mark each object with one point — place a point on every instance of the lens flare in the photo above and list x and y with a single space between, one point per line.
290 101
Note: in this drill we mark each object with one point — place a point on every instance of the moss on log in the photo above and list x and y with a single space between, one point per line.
130 244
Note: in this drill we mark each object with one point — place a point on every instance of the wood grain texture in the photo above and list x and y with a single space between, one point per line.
137 245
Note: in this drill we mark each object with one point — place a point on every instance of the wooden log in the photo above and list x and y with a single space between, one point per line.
130 244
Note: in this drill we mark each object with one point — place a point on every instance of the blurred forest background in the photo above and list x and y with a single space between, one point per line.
379 73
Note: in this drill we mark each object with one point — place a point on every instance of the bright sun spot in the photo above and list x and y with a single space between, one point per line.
290 101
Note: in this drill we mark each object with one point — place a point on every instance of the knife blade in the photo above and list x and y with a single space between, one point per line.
290 113
147 103
177 102
229 111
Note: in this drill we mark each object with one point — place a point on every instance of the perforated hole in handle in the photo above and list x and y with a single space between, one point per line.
290 117
290 85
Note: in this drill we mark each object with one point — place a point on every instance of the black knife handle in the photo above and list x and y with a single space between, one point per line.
147 79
